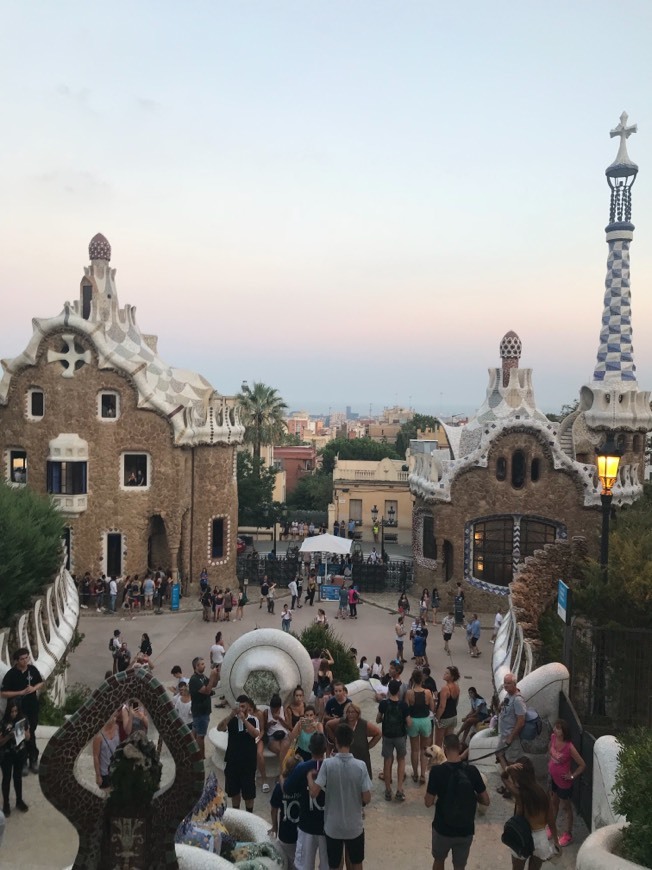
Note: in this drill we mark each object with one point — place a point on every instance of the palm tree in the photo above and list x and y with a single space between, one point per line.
262 411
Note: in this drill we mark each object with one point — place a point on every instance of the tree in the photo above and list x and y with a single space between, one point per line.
355 448
31 529
626 596
262 411
291 439
313 492
408 431
255 488
565 410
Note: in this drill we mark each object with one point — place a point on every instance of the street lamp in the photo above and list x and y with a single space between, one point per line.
374 520
608 460
269 512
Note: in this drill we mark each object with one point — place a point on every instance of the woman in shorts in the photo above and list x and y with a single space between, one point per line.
532 802
446 715
228 605
562 753
421 704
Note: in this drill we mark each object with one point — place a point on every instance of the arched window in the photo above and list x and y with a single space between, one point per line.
534 535
518 469
493 545
501 468
535 469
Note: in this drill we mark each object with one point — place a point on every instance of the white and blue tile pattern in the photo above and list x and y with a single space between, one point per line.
616 353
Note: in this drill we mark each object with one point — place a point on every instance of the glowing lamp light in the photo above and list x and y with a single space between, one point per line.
608 461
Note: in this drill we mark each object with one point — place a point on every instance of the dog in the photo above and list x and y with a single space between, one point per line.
435 755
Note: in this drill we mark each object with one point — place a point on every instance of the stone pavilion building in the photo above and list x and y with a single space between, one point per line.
138 456
512 480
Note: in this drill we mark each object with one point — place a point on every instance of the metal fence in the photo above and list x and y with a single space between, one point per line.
611 677
395 576
583 742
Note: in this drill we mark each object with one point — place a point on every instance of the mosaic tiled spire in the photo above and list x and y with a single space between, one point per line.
616 354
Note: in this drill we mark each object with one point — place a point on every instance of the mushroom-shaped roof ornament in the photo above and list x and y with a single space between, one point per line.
510 346
99 248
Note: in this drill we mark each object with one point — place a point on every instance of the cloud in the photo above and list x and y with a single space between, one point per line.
79 98
148 105
74 182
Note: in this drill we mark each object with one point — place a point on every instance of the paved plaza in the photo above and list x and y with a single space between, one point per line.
395 832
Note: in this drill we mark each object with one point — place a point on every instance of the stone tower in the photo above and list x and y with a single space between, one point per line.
612 405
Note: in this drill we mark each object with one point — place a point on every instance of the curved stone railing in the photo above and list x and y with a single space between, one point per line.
511 652
46 630
540 687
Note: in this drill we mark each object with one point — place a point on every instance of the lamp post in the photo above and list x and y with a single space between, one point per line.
374 520
269 512
608 460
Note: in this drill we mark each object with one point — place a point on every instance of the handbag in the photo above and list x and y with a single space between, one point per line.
517 836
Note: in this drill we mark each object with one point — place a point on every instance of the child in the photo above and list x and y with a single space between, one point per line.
286 618
447 629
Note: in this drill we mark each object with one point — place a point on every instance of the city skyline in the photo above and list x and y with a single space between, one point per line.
339 201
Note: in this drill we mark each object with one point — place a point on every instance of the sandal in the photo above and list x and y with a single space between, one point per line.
415 777
502 790
388 794
400 796
422 780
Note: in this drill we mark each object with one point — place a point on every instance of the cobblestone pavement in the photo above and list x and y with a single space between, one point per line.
396 833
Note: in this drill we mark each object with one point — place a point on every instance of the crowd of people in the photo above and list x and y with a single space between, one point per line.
131 593
320 737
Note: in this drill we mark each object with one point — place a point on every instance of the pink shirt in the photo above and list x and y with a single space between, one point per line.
560 762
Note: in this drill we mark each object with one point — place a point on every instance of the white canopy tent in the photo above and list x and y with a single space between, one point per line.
326 544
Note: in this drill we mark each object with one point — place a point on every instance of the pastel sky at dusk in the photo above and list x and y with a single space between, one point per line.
350 201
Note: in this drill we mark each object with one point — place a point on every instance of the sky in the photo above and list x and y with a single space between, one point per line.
349 201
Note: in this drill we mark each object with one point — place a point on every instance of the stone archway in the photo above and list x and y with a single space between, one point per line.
158 547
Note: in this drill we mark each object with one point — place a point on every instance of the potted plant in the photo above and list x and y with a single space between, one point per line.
631 791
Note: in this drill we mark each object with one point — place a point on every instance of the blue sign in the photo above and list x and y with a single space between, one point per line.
327 592
175 595
562 602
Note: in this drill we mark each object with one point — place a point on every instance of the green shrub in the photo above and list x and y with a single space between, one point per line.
551 634
632 793
30 548
50 714
316 637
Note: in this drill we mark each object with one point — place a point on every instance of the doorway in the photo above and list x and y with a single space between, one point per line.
113 554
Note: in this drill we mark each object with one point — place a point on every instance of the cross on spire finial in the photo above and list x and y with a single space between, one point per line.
624 132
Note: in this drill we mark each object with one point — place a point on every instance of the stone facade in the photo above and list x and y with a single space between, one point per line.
361 485
551 504
139 457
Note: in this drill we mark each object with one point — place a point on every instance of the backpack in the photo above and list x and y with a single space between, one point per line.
532 727
393 720
517 836
458 807
111 647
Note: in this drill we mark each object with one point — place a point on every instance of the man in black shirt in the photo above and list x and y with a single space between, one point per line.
24 681
240 755
457 787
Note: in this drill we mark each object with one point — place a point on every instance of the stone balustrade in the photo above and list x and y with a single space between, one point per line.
47 630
